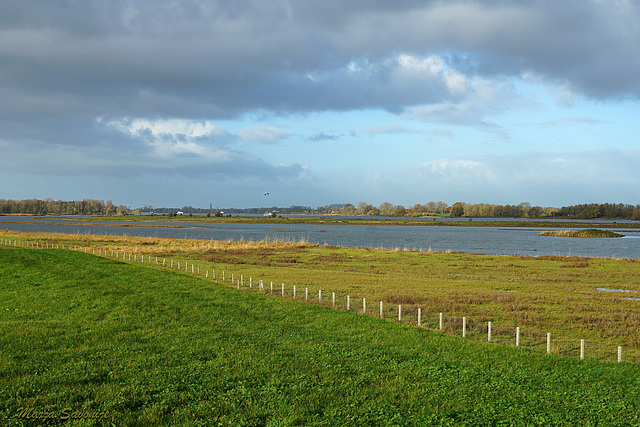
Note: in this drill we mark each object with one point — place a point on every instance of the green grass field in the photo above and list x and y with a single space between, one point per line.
572 297
86 336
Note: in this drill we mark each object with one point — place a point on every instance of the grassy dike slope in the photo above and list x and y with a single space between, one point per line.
163 348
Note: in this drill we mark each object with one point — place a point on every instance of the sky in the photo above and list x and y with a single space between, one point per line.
191 103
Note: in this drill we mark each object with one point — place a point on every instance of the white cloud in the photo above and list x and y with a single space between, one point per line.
264 134
170 137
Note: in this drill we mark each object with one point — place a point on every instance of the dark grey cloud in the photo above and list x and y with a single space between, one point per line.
234 56
65 63
220 59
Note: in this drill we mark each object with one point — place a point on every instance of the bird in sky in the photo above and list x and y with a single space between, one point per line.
266 194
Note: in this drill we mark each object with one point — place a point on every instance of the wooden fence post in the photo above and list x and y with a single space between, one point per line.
333 300
619 354
320 295
440 324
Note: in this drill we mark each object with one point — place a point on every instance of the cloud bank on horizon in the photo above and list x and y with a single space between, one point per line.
196 102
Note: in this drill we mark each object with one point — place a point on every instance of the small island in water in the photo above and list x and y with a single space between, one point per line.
590 232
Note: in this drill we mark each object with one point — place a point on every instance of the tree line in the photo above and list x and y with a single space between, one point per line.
486 210
61 207
432 208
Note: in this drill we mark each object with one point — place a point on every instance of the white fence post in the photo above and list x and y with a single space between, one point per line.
283 289
464 327
294 291
419 317
333 299
381 312
581 349
364 305
489 331
320 295
399 313
619 354
348 302
517 336
440 321
306 294
548 342
271 288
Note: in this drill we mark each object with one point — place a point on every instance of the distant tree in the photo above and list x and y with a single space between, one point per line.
431 207
399 210
441 207
386 209
418 209
457 210
362 208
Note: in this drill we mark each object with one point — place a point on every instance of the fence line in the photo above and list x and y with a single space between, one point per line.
452 325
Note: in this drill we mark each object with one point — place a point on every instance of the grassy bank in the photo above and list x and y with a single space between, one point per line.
569 296
150 347
590 232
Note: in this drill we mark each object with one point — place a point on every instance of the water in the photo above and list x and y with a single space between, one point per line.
483 240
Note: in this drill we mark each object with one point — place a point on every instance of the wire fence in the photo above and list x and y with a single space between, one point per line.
411 314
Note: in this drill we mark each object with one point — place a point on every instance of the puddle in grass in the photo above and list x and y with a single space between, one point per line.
617 290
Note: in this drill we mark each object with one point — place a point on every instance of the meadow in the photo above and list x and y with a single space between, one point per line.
573 297
103 341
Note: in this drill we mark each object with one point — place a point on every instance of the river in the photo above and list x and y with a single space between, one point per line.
482 240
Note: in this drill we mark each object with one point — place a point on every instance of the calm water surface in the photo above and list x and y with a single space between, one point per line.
485 240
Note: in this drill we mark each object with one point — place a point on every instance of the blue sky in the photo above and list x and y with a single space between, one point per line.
316 102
